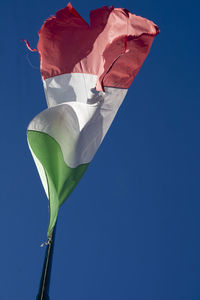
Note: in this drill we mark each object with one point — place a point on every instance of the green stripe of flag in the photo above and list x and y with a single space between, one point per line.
60 177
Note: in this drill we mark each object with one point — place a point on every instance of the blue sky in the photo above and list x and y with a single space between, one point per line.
131 228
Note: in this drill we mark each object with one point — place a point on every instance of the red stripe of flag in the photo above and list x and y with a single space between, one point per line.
113 47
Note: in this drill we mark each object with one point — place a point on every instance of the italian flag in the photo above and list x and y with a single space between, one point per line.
86 71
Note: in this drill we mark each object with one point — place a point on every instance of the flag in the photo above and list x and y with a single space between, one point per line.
86 71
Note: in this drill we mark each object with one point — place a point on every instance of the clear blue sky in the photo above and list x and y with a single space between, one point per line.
131 228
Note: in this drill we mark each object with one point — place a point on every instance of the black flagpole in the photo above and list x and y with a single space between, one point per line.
43 293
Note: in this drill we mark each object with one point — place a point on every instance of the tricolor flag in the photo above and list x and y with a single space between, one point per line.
86 72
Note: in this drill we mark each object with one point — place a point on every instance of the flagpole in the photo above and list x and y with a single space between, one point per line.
43 293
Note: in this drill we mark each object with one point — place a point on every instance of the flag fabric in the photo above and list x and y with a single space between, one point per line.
86 71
